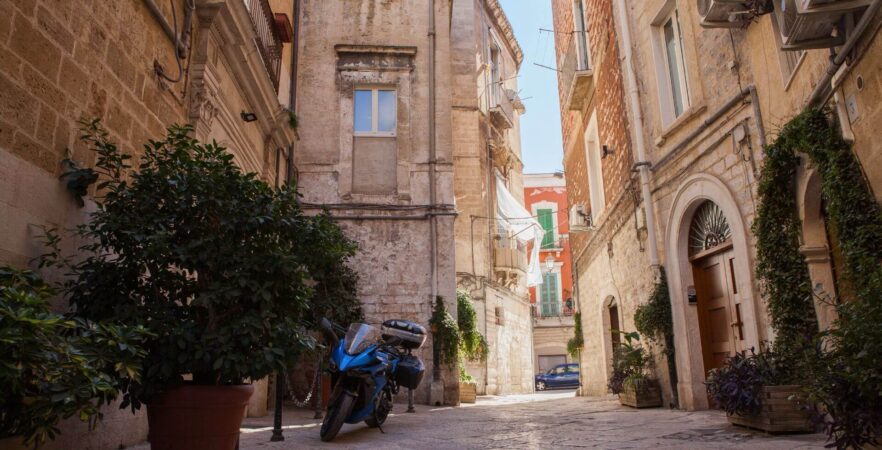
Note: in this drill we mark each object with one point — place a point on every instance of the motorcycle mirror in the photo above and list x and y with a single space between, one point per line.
326 324
328 328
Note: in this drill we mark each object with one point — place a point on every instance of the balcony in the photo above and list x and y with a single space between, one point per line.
557 315
576 75
268 40
502 111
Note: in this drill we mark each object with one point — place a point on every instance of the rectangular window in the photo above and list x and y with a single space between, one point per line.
580 34
546 219
549 298
788 60
375 112
676 68
595 169
670 64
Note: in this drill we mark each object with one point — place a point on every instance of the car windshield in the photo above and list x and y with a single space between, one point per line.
359 337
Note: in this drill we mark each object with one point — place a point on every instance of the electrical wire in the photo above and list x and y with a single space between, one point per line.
158 67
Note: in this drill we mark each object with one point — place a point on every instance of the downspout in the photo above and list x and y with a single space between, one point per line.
292 97
433 226
640 163
181 42
824 90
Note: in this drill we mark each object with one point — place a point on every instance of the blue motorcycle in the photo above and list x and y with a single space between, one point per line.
367 368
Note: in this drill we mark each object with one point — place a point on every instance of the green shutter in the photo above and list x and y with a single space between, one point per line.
548 295
546 220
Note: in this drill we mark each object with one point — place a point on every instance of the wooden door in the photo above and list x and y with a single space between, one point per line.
719 314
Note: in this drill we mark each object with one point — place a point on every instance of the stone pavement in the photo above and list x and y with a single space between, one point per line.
548 420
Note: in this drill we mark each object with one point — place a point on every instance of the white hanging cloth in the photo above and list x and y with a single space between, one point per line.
522 225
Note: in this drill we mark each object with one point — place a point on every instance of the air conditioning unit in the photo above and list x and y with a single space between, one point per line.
808 24
579 219
723 13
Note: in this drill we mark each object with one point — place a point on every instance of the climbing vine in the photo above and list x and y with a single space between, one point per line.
577 342
780 266
654 320
445 333
472 343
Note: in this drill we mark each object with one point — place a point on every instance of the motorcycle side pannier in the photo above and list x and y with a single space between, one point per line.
412 334
410 372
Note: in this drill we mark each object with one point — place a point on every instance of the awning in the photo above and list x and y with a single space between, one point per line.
521 224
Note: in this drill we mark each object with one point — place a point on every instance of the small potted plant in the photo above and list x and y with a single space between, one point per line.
760 391
472 346
213 262
630 378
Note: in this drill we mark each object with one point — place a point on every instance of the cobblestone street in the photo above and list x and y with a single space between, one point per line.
546 420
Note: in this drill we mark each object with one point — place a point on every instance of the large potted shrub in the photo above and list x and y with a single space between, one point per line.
630 378
55 366
760 391
472 346
209 259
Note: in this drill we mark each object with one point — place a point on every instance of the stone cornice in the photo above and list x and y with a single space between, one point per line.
502 23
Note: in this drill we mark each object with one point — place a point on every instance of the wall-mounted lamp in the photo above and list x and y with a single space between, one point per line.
549 263
607 150
248 116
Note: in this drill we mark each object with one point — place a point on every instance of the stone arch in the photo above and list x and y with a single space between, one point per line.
815 246
693 192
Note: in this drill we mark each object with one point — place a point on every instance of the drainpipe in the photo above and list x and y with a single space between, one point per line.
641 163
433 225
181 42
824 90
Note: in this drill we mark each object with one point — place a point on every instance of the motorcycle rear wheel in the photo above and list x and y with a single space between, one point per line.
336 415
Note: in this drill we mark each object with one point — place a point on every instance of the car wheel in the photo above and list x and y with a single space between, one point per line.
540 386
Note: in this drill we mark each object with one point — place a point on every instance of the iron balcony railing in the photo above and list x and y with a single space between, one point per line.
549 310
269 43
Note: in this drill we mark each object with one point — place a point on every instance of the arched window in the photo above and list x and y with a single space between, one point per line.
709 228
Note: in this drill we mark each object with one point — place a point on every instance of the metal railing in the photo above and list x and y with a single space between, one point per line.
501 104
546 310
269 43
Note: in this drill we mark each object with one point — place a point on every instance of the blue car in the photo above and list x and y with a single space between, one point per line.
559 376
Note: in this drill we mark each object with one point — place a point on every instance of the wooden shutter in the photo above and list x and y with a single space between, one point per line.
546 220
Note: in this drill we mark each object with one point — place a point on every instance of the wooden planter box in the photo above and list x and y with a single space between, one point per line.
779 414
648 398
468 392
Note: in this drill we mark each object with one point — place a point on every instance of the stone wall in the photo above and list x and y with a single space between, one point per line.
62 62
350 43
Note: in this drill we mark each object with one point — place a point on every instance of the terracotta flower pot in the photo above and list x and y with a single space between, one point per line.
198 417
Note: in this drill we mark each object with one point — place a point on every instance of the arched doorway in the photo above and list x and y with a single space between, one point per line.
696 239
716 285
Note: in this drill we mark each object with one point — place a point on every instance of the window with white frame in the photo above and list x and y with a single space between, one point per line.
375 112
788 60
595 169
580 36
670 63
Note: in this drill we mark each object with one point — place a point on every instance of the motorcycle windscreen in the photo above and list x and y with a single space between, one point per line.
359 337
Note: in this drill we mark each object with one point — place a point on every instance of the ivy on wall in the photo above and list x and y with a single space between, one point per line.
842 373
780 267
654 320
445 333
577 342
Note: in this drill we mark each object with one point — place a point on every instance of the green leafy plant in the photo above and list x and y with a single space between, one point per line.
54 366
654 320
576 343
737 386
630 365
472 343
214 262
846 358
445 333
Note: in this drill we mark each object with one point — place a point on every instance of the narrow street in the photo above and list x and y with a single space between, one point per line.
555 419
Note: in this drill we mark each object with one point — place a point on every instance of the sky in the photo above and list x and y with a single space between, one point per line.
541 143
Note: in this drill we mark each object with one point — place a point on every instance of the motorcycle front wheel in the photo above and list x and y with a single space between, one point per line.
336 415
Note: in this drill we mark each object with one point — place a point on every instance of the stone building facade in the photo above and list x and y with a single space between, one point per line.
490 263
61 62
703 96
376 150
545 196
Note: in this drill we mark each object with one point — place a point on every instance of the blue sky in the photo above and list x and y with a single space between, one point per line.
542 148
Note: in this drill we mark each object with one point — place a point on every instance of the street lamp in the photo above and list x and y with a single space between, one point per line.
549 263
